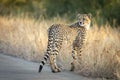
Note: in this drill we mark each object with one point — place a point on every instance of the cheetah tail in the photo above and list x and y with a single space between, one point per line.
43 62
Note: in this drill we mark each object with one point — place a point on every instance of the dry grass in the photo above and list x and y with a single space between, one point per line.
27 38
22 37
101 53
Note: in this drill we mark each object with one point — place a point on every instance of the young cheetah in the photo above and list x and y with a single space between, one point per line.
56 35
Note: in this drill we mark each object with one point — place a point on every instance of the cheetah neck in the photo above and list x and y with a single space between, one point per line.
87 27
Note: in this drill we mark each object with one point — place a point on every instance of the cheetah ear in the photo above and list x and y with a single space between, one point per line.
78 16
89 15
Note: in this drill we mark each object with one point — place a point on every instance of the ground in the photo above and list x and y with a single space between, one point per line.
12 68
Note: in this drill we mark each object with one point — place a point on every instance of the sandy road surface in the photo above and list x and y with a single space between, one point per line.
17 69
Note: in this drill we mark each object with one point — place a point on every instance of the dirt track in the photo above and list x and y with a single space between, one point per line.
17 69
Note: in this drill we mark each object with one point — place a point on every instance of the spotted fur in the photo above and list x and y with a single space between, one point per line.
56 35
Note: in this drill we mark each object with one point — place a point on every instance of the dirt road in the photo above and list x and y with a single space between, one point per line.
18 69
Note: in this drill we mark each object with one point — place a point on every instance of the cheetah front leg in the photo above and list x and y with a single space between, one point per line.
74 56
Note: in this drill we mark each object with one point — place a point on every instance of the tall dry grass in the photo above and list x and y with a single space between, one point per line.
101 53
27 38
22 37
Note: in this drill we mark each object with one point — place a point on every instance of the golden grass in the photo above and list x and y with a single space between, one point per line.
27 38
23 37
101 52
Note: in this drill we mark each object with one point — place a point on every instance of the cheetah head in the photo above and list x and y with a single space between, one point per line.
84 20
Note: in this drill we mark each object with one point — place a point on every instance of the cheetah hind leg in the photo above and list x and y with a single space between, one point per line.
53 64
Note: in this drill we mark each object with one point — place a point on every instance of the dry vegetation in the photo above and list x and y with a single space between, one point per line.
27 38
101 53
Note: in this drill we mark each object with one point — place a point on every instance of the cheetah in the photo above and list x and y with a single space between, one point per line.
56 35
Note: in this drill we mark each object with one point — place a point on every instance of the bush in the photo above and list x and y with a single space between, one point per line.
108 10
